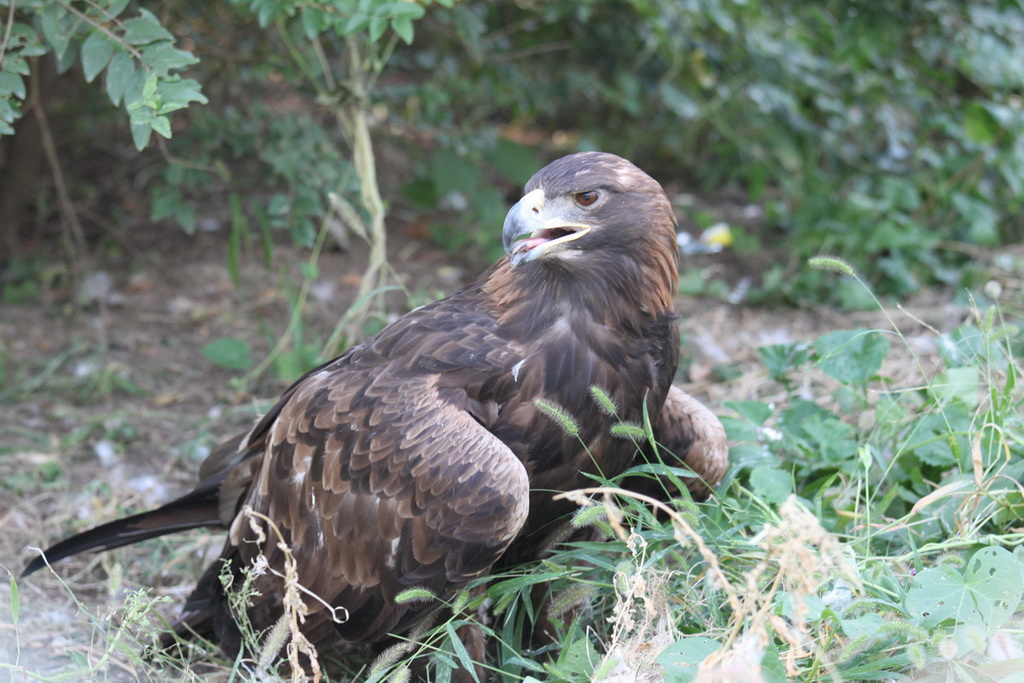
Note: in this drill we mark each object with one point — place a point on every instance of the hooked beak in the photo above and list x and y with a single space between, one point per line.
528 234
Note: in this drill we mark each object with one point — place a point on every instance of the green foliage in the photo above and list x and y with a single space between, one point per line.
883 133
228 352
984 595
138 54
890 135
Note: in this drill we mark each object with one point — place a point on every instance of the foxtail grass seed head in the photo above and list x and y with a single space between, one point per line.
559 414
414 595
628 430
605 402
587 515
401 675
833 263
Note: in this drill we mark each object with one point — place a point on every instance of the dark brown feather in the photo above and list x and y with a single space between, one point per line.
420 458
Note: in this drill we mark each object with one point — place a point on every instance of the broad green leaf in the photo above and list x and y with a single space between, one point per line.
140 135
514 161
119 74
402 26
781 358
96 52
755 411
228 352
851 356
863 625
378 25
979 124
115 7
12 84
354 24
985 595
164 57
312 21
54 33
145 30
957 384
178 93
771 484
162 125
13 63
26 42
451 173
681 659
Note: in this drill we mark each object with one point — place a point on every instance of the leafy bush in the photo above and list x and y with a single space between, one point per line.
137 55
890 134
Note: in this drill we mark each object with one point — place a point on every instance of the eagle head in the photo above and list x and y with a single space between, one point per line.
587 202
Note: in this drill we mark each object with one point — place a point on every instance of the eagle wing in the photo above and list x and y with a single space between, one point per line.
382 476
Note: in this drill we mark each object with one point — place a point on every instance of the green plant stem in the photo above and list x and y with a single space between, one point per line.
134 52
354 117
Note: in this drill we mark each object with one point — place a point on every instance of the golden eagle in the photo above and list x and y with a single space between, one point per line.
420 458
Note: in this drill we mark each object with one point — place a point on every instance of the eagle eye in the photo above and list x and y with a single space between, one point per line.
586 198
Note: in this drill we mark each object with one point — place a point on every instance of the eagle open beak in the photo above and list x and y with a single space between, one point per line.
528 234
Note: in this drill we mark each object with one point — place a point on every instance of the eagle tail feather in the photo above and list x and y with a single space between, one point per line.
191 511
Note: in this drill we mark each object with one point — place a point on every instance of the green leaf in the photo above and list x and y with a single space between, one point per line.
140 135
378 25
119 74
228 352
851 356
53 31
985 595
979 124
864 625
754 411
957 384
96 52
25 40
164 57
13 63
12 84
115 7
771 484
402 26
145 30
460 649
312 21
178 93
451 173
514 161
782 358
162 125
681 659
353 24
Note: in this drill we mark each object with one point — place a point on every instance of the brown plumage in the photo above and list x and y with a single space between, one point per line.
420 458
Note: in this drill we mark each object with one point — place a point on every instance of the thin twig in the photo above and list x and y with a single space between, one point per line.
75 236
104 30
7 31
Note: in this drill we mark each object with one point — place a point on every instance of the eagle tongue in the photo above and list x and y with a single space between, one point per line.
531 242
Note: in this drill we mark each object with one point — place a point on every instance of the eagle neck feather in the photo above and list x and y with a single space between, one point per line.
623 293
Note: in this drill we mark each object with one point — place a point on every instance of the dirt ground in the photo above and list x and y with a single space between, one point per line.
110 408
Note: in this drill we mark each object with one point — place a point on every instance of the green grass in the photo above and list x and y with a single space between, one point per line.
869 528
